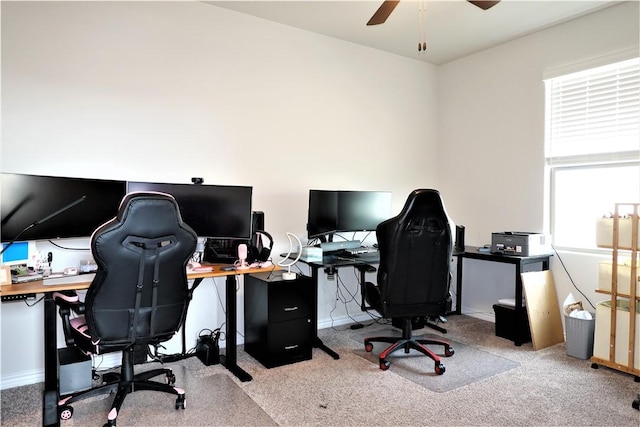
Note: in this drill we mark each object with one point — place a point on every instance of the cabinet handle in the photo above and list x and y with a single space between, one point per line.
290 308
291 347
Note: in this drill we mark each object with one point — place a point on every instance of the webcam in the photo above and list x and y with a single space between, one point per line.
197 180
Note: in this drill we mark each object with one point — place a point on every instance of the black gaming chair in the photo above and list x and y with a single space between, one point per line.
413 275
139 295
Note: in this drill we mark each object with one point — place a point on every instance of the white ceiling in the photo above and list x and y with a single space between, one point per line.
452 28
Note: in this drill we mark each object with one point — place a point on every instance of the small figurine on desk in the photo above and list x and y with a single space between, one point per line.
288 275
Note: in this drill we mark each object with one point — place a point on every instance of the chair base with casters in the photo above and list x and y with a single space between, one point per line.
123 384
408 342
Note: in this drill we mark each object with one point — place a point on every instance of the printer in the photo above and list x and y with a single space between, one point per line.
520 243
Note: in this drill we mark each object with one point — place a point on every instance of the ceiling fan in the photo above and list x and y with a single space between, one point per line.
387 7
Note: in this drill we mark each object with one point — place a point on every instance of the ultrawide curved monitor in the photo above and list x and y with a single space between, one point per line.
214 211
80 206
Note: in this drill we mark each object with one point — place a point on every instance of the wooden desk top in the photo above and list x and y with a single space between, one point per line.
39 286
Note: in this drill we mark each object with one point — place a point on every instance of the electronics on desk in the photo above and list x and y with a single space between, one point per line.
311 254
339 245
29 276
459 238
520 243
51 202
331 212
225 251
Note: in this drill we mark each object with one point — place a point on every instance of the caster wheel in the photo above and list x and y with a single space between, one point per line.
181 402
368 347
449 352
594 366
384 365
170 379
65 412
440 369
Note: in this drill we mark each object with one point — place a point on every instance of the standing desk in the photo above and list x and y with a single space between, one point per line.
330 263
50 394
472 252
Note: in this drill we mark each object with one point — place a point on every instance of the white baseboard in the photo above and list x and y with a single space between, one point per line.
482 315
19 379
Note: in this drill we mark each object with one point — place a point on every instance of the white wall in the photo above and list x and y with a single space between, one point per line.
491 136
165 91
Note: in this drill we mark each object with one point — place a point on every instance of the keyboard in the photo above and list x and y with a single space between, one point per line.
361 250
367 257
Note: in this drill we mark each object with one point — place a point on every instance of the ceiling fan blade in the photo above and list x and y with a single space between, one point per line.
484 5
383 12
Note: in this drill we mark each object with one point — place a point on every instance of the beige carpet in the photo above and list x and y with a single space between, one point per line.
211 400
547 388
466 366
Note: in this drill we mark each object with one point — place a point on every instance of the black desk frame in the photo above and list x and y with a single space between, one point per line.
50 394
329 264
230 359
519 262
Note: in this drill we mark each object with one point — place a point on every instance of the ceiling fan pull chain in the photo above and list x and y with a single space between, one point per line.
422 34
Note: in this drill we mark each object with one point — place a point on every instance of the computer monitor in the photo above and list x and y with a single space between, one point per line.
29 199
214 211
17 253
334 211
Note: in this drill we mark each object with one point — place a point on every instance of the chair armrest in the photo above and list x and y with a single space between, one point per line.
68 301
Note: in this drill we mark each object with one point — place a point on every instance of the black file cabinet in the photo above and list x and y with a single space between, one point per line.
277 318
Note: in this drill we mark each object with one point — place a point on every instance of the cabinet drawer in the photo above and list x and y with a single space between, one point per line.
289 301
289 341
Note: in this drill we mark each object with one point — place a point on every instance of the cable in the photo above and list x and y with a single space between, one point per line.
66 248
570 278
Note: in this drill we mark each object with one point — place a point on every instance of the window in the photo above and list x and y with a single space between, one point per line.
592 148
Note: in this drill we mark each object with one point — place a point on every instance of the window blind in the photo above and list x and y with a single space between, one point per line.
594 111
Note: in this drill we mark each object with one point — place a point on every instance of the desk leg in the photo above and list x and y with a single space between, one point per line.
50 393
458 309
229 360
317 342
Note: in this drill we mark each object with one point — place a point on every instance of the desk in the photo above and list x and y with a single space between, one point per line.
330 263
519 262
50 393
